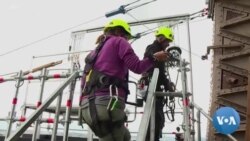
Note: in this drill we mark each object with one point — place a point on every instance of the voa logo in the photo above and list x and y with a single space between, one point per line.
226 120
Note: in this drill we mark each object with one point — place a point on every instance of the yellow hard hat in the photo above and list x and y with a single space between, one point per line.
119 22
166 32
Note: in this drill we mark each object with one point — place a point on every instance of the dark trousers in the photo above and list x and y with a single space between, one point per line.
159 120
117 132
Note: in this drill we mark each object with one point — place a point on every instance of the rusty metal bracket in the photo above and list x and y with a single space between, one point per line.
204 57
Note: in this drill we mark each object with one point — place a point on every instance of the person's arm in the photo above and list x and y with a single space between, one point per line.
154 53
132 61
126 53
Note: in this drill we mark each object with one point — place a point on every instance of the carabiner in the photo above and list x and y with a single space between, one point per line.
113 98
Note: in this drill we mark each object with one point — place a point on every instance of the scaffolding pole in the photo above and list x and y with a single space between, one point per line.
37 113
191 76
185 100
36 133
57 113
14 102
68 109
148 107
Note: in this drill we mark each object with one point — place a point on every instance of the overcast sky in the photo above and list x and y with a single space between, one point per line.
47 25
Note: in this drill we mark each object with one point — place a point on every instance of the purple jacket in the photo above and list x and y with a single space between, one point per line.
116 58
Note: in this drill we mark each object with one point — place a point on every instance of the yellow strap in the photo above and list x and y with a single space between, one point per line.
88 76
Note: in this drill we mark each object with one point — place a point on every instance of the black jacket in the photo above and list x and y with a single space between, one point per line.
162 79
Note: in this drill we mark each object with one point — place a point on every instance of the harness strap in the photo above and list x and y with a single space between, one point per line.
95 126
98 80
102 129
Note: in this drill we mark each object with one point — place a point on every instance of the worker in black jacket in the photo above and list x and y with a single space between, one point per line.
164 36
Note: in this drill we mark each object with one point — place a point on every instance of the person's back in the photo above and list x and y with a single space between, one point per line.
105 84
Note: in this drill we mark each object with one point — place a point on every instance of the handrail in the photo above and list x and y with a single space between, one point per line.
134 104
208 117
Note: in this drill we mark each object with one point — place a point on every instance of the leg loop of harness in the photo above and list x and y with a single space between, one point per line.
103 128
95 125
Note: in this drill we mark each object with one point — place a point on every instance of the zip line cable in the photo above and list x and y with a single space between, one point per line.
198 14
137 36
47 37
137 20
52 35
112 13
144 33
120 10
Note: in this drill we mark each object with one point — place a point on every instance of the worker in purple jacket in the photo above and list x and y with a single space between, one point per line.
105 81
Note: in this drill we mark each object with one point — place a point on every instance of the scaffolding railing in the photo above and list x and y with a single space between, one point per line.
148 116
187 126
41 106
34 116
149 112
200 110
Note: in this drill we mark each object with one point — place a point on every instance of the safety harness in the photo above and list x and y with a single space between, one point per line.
95 80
